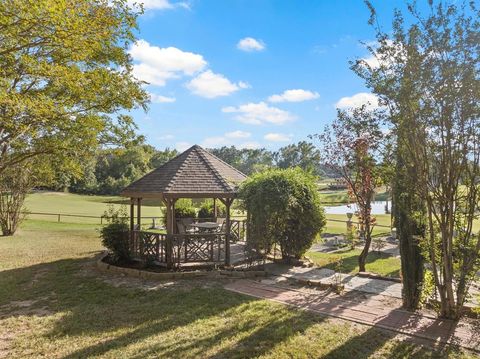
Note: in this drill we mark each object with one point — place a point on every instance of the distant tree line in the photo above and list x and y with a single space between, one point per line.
112 169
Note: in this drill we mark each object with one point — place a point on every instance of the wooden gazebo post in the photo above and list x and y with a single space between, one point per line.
139 214
170 206
132 216
227 202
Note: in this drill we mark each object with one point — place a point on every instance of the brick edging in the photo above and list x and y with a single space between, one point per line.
144 274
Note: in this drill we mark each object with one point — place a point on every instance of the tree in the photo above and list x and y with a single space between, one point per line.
65 78
427 75
283 207
245 160
304 155
114 168
349 148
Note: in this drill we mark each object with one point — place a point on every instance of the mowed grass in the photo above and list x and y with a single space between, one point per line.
347 262
336 224
54 304
83 205
68 203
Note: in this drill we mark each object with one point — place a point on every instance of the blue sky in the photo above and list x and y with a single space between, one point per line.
215 66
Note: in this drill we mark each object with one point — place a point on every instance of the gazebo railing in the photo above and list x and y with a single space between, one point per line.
185 248
238 230
148 246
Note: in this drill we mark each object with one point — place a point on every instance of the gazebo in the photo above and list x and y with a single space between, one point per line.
195 173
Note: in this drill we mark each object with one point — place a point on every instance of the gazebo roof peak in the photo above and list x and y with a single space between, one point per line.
193 173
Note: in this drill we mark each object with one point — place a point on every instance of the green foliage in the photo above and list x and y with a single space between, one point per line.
427 289
283 208
437 136
184 208
245 160
249 161
65 79
206 209
304 155
113 169
115 234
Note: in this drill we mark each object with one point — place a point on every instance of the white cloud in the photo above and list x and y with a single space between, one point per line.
259 113
215 141
250 44
157 65
372 61
296 95
357 100
249 145
182 146
238 134
166 137
211 85
228 139
158 4
161 99
277 137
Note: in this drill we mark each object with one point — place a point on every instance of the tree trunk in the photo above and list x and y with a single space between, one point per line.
409 231
362 258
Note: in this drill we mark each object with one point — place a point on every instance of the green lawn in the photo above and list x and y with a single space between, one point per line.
341 196
347 262
336 227
67 203
53 304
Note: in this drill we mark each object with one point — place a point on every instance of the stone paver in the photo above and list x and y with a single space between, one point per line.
324 275
367 309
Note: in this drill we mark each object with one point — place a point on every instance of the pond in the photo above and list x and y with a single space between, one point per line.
378 207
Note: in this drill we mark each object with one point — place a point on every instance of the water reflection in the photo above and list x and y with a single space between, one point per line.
378 207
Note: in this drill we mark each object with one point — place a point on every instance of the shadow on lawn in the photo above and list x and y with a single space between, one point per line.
191 320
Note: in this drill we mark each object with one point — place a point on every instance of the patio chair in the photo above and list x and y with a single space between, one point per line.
183 229
187 221
223 227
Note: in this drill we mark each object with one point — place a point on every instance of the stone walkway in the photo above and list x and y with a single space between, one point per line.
324 275
370 309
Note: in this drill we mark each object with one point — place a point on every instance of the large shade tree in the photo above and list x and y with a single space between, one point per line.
65 78
427 73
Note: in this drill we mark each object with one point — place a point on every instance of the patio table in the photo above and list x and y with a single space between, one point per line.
206 226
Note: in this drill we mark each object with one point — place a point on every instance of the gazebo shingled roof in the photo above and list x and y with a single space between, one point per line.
194 173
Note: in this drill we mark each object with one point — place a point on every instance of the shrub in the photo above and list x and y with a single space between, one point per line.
15 182
206 209
115 234
283 207
184 209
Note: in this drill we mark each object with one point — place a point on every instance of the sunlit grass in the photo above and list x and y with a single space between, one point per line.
53 304
347 262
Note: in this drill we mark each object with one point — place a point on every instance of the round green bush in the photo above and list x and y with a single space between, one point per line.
184 209
206 209
283 208
115 234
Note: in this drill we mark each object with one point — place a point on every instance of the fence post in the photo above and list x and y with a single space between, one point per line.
59 217
101 219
